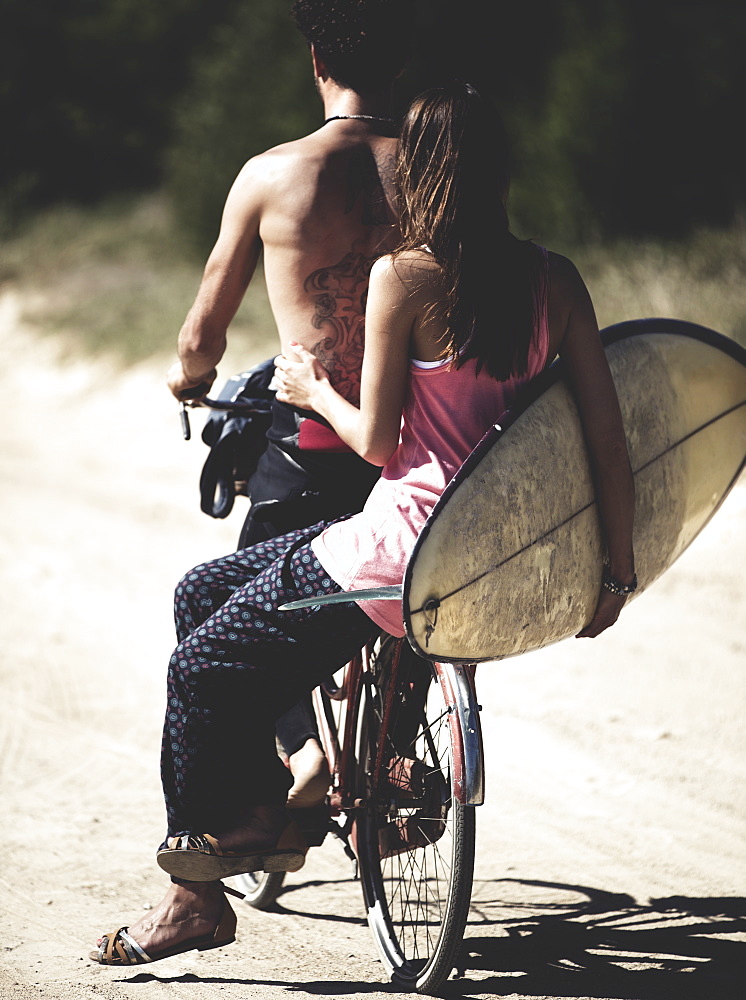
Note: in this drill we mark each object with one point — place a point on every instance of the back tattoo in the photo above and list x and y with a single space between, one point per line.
339 294
340 291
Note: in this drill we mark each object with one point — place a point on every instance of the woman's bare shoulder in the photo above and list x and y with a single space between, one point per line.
568 297
566 285
415 270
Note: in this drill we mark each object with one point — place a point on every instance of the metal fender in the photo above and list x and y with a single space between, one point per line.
457 683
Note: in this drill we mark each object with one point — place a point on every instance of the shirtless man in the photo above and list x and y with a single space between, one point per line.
321 210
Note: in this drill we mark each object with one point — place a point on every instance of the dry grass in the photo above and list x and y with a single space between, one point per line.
702 281
118 280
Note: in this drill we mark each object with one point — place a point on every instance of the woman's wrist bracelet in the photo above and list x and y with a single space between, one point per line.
615 586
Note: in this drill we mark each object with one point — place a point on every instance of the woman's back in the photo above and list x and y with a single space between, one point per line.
447 409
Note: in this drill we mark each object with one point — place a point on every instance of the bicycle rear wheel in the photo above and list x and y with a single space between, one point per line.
415 842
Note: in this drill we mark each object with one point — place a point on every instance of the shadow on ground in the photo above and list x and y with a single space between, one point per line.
530 938
552 940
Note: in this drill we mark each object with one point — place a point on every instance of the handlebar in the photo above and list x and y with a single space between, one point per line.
238 406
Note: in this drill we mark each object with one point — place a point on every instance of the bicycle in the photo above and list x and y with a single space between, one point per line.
403 740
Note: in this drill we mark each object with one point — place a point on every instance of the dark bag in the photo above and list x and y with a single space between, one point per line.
236 437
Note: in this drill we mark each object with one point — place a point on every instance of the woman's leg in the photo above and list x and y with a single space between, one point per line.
206 587
237 671
297 730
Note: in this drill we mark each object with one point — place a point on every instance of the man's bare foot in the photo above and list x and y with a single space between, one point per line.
267 841
184 914
262 829
311 776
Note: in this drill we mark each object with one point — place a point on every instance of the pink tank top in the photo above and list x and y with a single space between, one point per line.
446 413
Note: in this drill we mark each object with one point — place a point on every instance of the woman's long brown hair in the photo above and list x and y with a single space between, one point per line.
453 178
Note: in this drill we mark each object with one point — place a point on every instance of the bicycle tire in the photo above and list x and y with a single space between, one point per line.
415 841
260 888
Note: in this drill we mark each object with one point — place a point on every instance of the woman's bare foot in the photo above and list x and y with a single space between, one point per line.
184 914
311 776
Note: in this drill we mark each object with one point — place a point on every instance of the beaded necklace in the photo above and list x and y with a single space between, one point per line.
367 118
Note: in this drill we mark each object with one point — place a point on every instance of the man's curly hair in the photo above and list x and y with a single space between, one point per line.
364 43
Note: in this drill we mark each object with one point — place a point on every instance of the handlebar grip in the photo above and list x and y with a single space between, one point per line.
186 429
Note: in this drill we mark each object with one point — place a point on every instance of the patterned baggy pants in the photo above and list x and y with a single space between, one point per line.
240 664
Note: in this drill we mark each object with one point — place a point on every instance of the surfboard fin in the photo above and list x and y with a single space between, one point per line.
388 593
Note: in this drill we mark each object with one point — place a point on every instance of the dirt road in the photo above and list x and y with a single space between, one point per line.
611 854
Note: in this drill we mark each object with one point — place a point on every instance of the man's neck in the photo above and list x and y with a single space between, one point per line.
339 103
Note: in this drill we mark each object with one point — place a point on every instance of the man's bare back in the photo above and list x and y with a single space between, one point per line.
321 209
327 215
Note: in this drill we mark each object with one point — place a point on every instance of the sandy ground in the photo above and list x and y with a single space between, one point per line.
611 856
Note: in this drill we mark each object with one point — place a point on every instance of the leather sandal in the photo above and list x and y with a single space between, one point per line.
199 858
120 948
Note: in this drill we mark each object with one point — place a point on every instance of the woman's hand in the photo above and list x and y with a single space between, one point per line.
607 611
297 378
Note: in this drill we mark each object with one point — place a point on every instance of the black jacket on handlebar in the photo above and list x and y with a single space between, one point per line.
236 439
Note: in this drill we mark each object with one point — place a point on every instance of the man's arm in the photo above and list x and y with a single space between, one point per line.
228 271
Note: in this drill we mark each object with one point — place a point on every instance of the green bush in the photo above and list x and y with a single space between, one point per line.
86 94
251 89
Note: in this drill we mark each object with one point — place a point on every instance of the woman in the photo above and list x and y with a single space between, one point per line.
458 319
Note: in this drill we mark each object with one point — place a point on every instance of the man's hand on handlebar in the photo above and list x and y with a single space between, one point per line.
184 387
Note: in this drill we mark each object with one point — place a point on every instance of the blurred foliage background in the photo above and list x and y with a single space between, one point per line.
126 122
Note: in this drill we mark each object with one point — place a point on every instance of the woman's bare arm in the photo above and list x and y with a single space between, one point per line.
583 355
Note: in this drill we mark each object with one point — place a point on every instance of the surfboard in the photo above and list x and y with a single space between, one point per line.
510 559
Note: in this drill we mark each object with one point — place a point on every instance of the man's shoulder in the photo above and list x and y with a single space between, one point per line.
312 180
317 147
284 163
294 151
